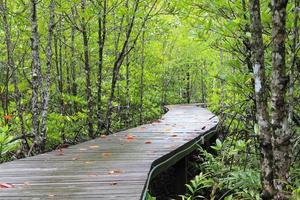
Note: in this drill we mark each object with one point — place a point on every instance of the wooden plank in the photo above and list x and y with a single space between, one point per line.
118 166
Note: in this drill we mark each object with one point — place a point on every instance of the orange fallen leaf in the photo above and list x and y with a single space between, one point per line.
148 142
6 185
106 154
130 138
94 146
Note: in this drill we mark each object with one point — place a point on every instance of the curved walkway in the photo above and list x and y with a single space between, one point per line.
118 166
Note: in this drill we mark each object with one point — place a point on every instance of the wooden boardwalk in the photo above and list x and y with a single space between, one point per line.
118 166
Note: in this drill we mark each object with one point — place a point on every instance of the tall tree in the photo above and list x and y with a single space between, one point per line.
87 70
46 89
101 43
281 130
35 75
261 97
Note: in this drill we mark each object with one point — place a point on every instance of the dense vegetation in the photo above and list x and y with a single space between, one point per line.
73 70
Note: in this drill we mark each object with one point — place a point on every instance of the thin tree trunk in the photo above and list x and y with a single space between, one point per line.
117 64
35 75
127 120
282 135
262 115
46 89
203 96
73 63
188 88
142 77
293 65
101 43
87 69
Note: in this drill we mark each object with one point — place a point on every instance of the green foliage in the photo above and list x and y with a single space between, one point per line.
5 138
226 175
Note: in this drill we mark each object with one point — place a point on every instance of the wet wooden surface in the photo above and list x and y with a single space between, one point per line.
112 167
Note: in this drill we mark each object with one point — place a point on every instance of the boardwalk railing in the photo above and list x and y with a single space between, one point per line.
119 166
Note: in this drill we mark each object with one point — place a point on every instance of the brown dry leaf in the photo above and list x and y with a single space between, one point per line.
76 157
174 135
94 146
148 142
113 183
60 152
26 184
103 136
6 185
106 154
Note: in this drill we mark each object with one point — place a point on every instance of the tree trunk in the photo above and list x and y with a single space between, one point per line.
292 78
262 115
142 77
101 43
73 63
35 75
87 69
281 131
46 89
117 64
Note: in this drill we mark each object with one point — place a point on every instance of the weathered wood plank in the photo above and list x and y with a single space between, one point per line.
118 166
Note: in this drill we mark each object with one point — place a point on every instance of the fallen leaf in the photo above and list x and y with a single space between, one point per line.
89 162
157 121
94 146
174 135
117 171
168 129
26 183
114 183
106 154
6 185
103 136
93 174
148 142
130 138
76 157
60 152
